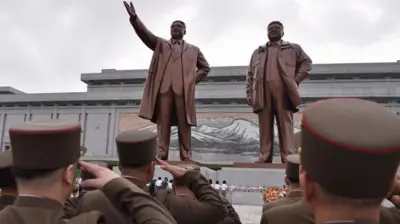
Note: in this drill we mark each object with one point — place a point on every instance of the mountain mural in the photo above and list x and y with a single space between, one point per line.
239 136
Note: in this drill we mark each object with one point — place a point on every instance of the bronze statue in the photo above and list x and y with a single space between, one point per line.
169 91
276 69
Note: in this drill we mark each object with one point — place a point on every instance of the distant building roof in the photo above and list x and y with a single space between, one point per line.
221 71
8 90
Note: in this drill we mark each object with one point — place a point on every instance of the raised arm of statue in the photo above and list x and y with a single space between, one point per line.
141 30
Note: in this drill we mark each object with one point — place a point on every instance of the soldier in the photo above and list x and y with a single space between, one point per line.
301 213
292 179
182 190
347 169
137 151
44 184
7 181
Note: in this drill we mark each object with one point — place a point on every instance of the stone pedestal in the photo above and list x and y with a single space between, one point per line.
178 162
260 165
207 172
252 177
242 174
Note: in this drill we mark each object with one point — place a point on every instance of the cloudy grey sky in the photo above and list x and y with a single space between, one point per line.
46 44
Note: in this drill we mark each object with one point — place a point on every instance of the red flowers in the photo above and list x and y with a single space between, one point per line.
274 193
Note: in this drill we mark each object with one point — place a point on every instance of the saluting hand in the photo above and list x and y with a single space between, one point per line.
103 175
130 9
176 171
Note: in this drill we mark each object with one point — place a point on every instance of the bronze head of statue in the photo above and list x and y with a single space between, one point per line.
178 30
275 31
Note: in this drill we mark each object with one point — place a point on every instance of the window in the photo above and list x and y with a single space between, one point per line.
344 77
241 101
207 102
382 101
224 101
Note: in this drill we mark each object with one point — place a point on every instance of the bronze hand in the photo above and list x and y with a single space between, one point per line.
130 9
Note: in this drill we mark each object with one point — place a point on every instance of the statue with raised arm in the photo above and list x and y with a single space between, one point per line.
169 91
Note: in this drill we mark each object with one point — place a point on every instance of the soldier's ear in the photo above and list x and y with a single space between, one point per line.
151 168
283 33
69 174
184 32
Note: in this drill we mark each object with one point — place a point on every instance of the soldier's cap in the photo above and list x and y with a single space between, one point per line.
136 148
292 166
297 141
45 145
87 175
351 147
6 175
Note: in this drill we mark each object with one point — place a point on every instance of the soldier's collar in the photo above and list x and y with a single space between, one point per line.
38 202
137 181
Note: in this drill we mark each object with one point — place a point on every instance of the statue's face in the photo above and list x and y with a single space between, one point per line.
275 32
178 30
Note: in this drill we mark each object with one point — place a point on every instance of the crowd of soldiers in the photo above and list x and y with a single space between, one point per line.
346 166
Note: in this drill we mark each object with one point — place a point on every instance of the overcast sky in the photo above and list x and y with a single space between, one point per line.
46 44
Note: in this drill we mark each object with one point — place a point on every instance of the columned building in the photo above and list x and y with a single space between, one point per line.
227 131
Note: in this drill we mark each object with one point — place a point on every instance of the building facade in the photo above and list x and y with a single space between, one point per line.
227 131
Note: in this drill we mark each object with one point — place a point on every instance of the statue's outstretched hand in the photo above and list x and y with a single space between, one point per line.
130 9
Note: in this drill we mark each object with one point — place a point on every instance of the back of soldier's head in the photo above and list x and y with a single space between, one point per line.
45 154
137 151
350 152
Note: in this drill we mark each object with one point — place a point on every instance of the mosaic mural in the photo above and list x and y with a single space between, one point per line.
224 136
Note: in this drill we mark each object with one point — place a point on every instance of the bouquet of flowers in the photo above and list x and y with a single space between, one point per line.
274 193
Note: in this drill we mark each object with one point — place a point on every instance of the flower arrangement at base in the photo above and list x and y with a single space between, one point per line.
274 193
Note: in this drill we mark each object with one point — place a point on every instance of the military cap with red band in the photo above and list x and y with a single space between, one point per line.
136 148
351 147
45 145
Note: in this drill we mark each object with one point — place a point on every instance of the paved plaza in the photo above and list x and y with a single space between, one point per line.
249 214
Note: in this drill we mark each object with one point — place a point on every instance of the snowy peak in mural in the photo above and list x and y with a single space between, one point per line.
240 131
206 129
238 136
